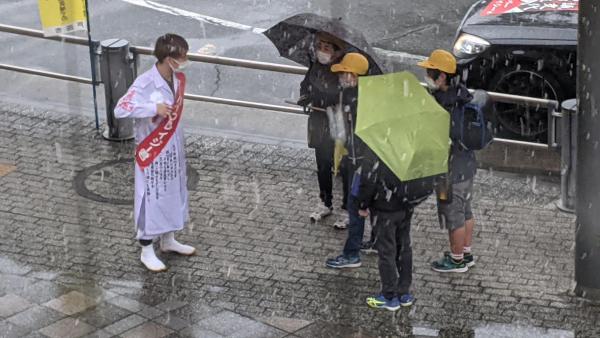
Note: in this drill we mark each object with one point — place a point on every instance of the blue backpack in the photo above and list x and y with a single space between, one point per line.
474 130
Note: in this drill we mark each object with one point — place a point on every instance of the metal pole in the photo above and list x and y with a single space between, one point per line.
44 73
587 235
92 46
117 76
568 154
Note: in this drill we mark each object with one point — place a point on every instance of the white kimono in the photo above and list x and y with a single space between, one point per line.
161 196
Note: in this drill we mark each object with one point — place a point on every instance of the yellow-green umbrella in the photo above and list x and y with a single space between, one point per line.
404 125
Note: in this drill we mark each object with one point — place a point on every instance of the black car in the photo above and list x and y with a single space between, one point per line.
522 47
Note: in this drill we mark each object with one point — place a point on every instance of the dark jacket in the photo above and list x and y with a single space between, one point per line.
462 164
320 88
380 189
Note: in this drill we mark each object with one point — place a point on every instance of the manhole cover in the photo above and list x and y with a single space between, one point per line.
113 181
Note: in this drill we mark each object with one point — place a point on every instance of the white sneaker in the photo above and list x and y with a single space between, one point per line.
342 222
321 212
150 260
169 244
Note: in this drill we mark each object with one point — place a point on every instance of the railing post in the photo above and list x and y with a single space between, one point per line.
117 76
568 156
587 234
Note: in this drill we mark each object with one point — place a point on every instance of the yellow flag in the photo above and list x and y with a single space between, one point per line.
62 16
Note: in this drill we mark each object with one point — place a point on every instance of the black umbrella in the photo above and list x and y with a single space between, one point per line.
294 38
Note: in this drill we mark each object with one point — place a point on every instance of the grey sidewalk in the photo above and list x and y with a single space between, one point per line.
69 266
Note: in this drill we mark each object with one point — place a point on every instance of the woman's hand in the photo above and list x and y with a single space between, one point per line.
163 110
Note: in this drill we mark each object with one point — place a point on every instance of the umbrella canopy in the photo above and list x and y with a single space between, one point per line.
294 38
403 125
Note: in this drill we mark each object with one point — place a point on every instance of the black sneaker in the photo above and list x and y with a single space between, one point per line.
368 247
447 264
469 259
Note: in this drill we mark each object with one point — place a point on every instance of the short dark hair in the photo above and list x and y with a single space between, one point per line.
170 45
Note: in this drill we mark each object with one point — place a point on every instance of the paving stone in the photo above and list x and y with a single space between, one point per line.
71 303
125 324
150 312
196 332
225 323
9 330
11 304
286 324
42 292
8 266
323 330
170 305
99 334
148 330
67 328
36 317
127 303
172 322
6 169
103 315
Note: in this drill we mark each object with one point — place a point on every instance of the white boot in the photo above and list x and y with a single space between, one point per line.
321 212
168 243
150 260
342 222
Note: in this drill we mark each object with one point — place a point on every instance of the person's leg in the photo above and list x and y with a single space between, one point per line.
457 242
356 226
452 217
404 260
148 256
324 158
347 174
388 273
387 252
469 226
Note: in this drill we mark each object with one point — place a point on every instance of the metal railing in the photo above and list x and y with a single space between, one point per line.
552 106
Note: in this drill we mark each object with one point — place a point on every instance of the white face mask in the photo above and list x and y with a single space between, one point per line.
347 81
323 58
346 84
431 83
181 66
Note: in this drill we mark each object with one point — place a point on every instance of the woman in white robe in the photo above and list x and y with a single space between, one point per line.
161 196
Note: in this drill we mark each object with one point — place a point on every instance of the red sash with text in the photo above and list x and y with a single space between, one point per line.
151 147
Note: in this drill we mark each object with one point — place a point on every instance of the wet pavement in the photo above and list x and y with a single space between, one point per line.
69 265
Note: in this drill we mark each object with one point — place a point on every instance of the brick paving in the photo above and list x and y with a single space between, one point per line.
69 265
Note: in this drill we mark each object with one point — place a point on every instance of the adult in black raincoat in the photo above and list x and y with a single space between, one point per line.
321 89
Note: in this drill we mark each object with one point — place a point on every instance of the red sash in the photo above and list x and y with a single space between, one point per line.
151 147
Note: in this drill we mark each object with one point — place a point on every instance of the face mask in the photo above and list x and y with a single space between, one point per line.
323 58
431 83
347 81
346 84
181 66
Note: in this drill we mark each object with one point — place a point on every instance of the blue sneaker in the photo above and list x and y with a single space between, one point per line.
380 302
341 262
407 300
